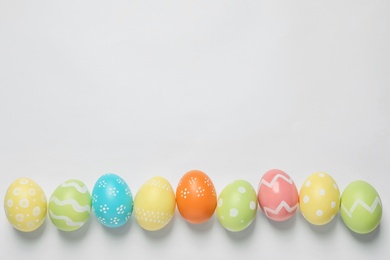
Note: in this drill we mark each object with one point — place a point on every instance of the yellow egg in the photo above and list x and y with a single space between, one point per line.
25 205
154 204
319 198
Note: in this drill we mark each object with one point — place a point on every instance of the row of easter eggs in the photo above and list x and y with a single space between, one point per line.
154 205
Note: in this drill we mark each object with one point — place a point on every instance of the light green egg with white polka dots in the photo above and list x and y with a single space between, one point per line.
237 206
70 205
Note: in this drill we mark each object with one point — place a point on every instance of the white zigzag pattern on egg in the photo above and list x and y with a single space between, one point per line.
358 202
75 185
274 179
67 220
77 207
282 205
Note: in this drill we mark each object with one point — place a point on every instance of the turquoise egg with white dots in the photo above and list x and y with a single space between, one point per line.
237 206
112 201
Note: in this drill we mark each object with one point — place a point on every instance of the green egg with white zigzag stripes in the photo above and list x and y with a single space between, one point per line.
70 205
361 207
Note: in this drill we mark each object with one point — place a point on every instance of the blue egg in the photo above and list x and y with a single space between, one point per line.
112 201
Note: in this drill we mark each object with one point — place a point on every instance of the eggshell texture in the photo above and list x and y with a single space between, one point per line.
319 198
70 205
278 195
112 201
361 207
154 204
25 205
196 197
237 205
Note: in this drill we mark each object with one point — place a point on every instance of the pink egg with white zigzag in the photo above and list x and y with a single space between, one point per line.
278 195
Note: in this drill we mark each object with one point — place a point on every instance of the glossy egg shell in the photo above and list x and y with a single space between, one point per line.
112 201
237 206
154 204
361 207
196 197
70 205
319 198
278 195
25 205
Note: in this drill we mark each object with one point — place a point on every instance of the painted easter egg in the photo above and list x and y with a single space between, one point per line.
112 201
237 206
278 195
319 198
154 204
70 205
196 197
361 207
25 205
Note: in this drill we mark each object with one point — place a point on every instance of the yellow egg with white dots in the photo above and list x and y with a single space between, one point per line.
154 204
25 205
319 198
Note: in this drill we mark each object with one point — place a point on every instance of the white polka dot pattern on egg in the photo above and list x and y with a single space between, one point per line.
192 180
184 193
159 217
25 205
237 205
241 189
207 181
17 191
19 217
319 198
199 191
23 181
112 201
157 183
155 203
233 212
252 205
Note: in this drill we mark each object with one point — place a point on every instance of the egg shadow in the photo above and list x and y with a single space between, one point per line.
324 230
243 235
283 225
202 228
33 235
161 233
366 238
76 235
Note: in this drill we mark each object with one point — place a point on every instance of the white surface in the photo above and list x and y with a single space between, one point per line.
234 88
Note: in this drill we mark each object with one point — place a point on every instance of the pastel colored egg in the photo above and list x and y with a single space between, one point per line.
319 198
196 197
70 205
237 206
112 201
361 207
25 205
154 204
278 195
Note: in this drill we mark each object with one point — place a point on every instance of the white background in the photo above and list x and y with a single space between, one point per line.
232 87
